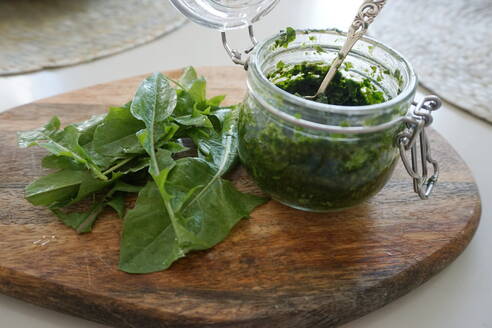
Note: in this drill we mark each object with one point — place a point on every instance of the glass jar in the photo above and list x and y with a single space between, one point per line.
314 156
319 157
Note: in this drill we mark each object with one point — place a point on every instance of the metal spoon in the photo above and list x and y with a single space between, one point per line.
365 16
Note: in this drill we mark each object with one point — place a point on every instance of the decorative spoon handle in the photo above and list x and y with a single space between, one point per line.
365 16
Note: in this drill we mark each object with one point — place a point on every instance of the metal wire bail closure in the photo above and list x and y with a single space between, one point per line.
416 123
236 55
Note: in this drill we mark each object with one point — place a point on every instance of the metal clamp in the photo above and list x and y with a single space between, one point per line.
416 122
236 55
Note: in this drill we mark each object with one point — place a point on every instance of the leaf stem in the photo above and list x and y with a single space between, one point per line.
98 173
176 82
218 174
166 199
117 166
94 212
154 166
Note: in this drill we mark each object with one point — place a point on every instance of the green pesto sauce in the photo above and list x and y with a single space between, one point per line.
285 38
305 78
314 170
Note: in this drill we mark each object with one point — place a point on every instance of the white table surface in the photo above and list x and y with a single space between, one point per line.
460 296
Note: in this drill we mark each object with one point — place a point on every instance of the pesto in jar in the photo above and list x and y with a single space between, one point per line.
305 78
309 169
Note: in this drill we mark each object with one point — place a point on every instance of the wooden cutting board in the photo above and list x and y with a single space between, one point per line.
281 268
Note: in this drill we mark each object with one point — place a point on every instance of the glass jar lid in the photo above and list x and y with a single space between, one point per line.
224 15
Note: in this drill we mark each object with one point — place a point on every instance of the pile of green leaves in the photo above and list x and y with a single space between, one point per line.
183 204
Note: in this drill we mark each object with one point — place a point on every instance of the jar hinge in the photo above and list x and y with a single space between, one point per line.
416 124
236 55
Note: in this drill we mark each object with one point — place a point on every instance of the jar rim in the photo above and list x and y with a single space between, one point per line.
407 92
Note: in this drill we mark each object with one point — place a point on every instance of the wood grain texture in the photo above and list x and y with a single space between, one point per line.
281 268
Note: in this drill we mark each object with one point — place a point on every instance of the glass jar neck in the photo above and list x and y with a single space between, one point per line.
369 59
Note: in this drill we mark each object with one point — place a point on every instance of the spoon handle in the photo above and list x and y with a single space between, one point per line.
365 16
